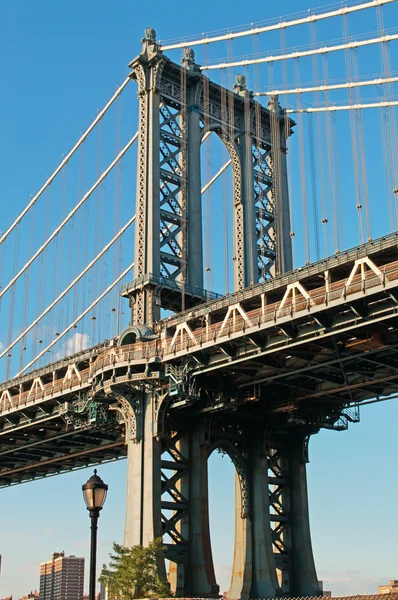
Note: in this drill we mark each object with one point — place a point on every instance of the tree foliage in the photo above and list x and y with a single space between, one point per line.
133 573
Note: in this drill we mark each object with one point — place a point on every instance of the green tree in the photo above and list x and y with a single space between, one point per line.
133 573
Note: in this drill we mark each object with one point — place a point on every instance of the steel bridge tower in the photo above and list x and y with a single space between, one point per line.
167 489
178 107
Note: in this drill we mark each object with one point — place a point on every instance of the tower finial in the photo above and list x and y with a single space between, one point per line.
150 47
150 34
188 61
240 86
274 105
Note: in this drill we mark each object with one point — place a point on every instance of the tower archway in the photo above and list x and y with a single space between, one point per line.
220 187
240 523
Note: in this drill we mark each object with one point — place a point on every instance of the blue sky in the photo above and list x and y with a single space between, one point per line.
60 62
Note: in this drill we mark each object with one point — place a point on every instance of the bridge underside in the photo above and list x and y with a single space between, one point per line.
45 445
315 379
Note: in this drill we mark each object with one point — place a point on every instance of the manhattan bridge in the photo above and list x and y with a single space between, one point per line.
240 322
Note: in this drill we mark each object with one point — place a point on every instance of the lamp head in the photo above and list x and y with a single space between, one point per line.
94 492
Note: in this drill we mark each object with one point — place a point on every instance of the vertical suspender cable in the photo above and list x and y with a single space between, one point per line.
69 254
383 116
390 126
78 318
62 238
317 157
99 230
314 184
287 132
353 128
27 277
258 164
55 260
303 179
271 75
78 244
361 144
117 250
70 215
11 299
337 185
65 291
86 239
276 165
64 161
207 198
45 256
330 157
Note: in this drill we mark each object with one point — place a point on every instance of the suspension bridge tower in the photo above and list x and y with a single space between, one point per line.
167 490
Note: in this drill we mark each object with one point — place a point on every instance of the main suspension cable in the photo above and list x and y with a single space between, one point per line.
216 176
70 215
72 325
310 18
382 104
64 160
326 88
297 54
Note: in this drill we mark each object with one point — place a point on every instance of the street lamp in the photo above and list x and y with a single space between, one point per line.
94 493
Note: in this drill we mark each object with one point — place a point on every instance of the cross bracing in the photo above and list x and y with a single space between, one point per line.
172 195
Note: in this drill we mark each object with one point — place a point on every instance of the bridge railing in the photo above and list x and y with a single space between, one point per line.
291 305
237 323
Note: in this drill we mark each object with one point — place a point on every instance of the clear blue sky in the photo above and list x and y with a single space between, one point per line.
60 62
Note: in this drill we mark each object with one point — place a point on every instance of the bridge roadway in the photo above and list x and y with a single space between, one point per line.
306 347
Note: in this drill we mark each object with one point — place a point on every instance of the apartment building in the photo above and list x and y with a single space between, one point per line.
62 578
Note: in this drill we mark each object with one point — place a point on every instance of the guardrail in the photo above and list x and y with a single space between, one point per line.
166 349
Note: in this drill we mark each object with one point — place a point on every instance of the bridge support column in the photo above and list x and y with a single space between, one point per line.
273 553
305 581
167 496
134 496
264 578
143 503
178 552
288 510
202 580
241 580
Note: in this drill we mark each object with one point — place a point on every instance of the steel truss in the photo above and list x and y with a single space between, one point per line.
179 107
264 202
172 189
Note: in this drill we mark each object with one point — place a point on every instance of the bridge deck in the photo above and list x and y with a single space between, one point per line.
307 344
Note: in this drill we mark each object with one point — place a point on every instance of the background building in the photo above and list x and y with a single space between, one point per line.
325 593
31 596
389 589
62 578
